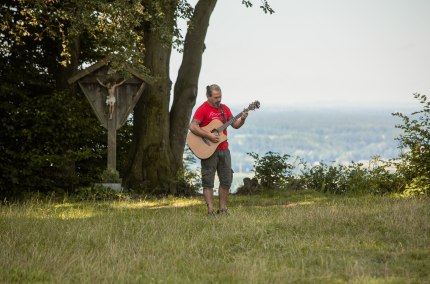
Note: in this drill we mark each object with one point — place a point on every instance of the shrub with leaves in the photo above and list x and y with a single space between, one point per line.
415 146
99 193
188 181
377 178
110 176
272 170
48 142
325 178
383 178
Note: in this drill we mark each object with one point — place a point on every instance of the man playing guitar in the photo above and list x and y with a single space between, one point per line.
220 161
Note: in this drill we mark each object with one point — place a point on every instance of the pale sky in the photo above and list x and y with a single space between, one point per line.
318 52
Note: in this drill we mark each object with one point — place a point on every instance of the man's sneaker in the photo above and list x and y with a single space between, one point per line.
222 212
211 213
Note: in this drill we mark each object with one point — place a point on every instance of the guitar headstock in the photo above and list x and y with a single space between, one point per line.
254 105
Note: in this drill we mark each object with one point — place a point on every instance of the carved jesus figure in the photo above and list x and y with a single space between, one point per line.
111 100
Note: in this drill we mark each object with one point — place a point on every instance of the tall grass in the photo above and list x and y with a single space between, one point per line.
295 237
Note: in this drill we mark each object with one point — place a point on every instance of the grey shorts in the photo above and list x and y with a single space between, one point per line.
219 162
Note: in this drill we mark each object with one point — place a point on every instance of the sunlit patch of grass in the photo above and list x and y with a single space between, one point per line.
63 211
64 205
76 214
156 204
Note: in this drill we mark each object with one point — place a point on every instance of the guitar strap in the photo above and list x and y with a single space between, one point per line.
222 113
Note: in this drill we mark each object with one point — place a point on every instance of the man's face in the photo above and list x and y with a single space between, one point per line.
215 99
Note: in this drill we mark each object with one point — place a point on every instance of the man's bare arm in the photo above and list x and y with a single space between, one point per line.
241 121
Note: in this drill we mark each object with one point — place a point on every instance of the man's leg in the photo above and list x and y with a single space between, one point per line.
208 175
208 193
223 196
225 174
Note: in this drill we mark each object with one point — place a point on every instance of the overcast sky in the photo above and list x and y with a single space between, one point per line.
318 52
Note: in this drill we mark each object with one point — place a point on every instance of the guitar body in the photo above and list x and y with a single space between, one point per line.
203 148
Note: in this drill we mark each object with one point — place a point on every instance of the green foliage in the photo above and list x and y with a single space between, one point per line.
354 178
415 145
325 178
419 186
264 6
48 143
51 142
109 27
110 175
188 181
272 170
99 192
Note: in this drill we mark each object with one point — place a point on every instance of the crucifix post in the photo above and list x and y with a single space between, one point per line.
111 155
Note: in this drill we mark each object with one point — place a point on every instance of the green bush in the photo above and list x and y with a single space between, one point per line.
272 170
418 186
355 178
325 178
110 175
48 142
415 146
187 181
99 192
275 172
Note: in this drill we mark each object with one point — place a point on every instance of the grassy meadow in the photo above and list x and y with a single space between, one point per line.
289 237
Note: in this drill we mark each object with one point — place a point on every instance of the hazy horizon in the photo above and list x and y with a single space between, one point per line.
326 106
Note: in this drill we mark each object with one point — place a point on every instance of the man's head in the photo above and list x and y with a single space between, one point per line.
214 95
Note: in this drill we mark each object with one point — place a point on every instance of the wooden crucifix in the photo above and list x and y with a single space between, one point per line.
112 98
111 88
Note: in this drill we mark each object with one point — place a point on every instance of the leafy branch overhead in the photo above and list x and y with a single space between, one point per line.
264 5
110 27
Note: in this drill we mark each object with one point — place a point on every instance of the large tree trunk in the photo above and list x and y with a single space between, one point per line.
149 162
186 86
159 137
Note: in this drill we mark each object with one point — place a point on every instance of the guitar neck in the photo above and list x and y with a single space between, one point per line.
229 122
251 106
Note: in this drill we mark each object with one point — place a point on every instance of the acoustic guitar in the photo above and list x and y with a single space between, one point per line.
202 147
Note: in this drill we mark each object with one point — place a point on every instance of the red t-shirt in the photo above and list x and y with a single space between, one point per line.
206 113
